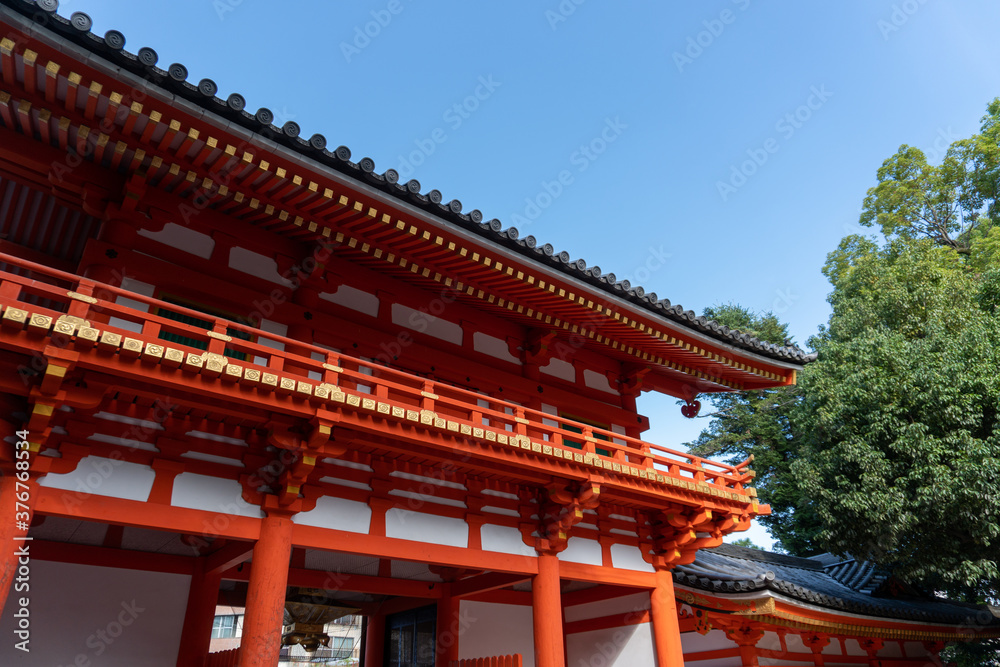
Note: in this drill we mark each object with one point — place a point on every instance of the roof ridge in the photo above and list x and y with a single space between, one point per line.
44 13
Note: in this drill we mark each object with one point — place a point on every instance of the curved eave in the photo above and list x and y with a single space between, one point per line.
681 347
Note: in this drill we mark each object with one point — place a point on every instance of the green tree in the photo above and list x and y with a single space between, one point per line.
889 448
760 424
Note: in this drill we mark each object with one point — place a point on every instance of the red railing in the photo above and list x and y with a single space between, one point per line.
495 661
228 658
304 362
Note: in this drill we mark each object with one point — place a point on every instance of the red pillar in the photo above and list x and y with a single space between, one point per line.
261 642
546 608
10 534
374 640
196 634
449 629
666 629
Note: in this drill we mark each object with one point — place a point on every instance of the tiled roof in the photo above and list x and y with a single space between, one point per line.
827 581
173 79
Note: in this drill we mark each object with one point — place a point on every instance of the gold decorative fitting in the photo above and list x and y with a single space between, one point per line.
383 408
194 361
215 363
153 351
219 336
439 423
234 371
398 412
412 415
354 401
322 391
535 447
491 436
338 396
427 394
131 347
88 333
304 388
40 323
577 457
427 417
269 380
465 429
478 432
335 369
502 439
173 357
368 404
453 426
15 316
521 420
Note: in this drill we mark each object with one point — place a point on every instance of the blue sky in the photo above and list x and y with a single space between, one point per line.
620 132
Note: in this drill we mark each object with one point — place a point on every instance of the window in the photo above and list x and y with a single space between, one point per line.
223 627
410 638
341 647
201 324
576 429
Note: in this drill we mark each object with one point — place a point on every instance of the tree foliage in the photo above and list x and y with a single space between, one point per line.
889 449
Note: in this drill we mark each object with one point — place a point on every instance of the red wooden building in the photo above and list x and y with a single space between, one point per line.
239 367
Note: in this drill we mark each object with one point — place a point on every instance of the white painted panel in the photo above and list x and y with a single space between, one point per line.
182 238
426 323
626 604
422 527
598 381
493 346
139 287
213 494
85 615
255 264
560 369
104 477
628 557
694 642
630 646
352 298
505 539
770 642
337 514
580 550
487 630
854 647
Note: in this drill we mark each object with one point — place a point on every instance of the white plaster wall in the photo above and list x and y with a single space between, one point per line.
627 557
694 642
581 550
103 477
138 287
493 346
405 316
182 238
505 539
422 527
337 514
488 629
99 616
626 604
352 298
598 381
255 264
560 369
631 646
212 494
